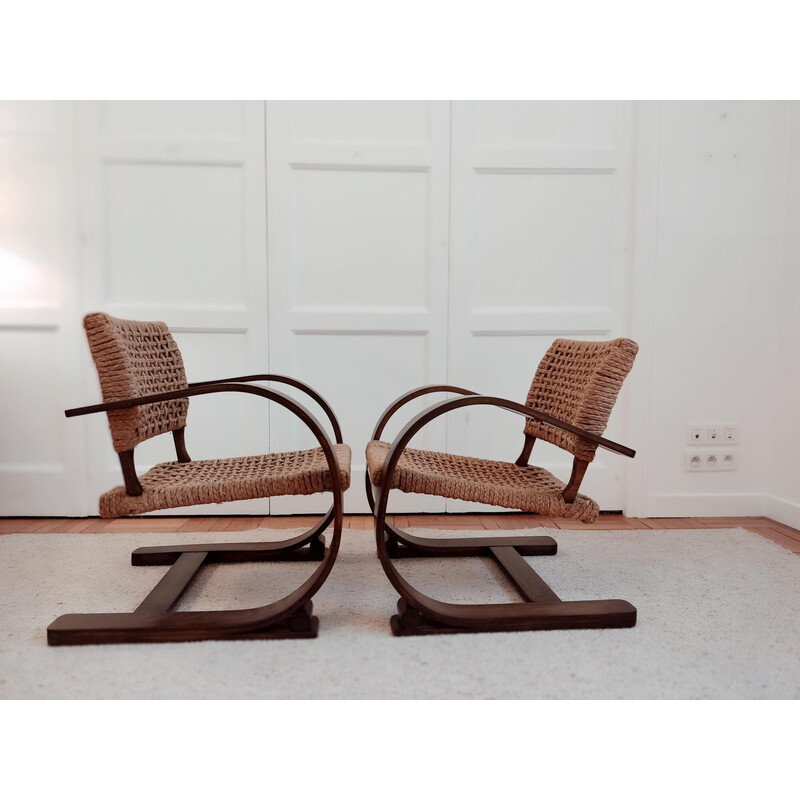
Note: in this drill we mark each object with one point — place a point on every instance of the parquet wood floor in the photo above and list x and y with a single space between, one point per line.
770 529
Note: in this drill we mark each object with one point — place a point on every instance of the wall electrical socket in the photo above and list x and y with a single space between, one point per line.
710 460
697 434
712 434
730 434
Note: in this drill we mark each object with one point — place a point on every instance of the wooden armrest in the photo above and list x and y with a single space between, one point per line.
303 387
269 394
539 416
407 397
424 417
214 388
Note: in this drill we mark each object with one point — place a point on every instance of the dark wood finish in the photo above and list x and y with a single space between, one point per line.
424 417
153 620
187 626
527 448
206 387
239 553
179 437
132 485
564 615
578 471
305 547
171 587
412 395
395 406
541 609
422 547
303 387
528 582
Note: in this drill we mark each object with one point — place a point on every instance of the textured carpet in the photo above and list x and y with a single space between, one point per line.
719 617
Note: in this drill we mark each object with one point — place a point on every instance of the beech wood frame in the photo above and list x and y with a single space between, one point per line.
154 621
540 609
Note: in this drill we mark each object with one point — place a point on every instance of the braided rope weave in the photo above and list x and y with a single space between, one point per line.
498 483
578 382
134 359
175 484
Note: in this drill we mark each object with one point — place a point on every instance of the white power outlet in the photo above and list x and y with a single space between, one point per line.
696 434
693 462
730 434
710 460
712 434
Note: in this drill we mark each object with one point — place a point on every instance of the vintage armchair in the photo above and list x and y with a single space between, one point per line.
568 405
145 394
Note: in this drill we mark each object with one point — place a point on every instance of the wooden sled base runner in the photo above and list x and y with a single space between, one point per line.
540 609
154 620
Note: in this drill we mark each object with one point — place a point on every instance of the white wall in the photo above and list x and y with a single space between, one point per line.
43 463
701 266
708 259
783 500
147 210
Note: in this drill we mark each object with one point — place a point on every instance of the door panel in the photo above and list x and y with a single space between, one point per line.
173 220
358 235
539 229
42 459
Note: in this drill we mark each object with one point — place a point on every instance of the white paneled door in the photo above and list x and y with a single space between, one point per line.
358 199
42 461
173 226
540 198
366 248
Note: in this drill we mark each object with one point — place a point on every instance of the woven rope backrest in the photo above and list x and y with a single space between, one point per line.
578 382
134 359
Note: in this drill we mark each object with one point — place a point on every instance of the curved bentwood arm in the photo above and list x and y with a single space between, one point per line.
396 406
270 394
161 624
426 416
408 397
303 387
498 616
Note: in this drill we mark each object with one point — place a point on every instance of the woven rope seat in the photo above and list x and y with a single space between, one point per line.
176 484
498 483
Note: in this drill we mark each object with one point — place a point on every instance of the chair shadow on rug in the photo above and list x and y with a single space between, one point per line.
145 394
568 405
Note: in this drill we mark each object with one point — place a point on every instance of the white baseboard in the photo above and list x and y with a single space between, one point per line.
665 504
782 511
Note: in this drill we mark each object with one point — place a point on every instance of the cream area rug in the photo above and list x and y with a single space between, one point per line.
718 617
